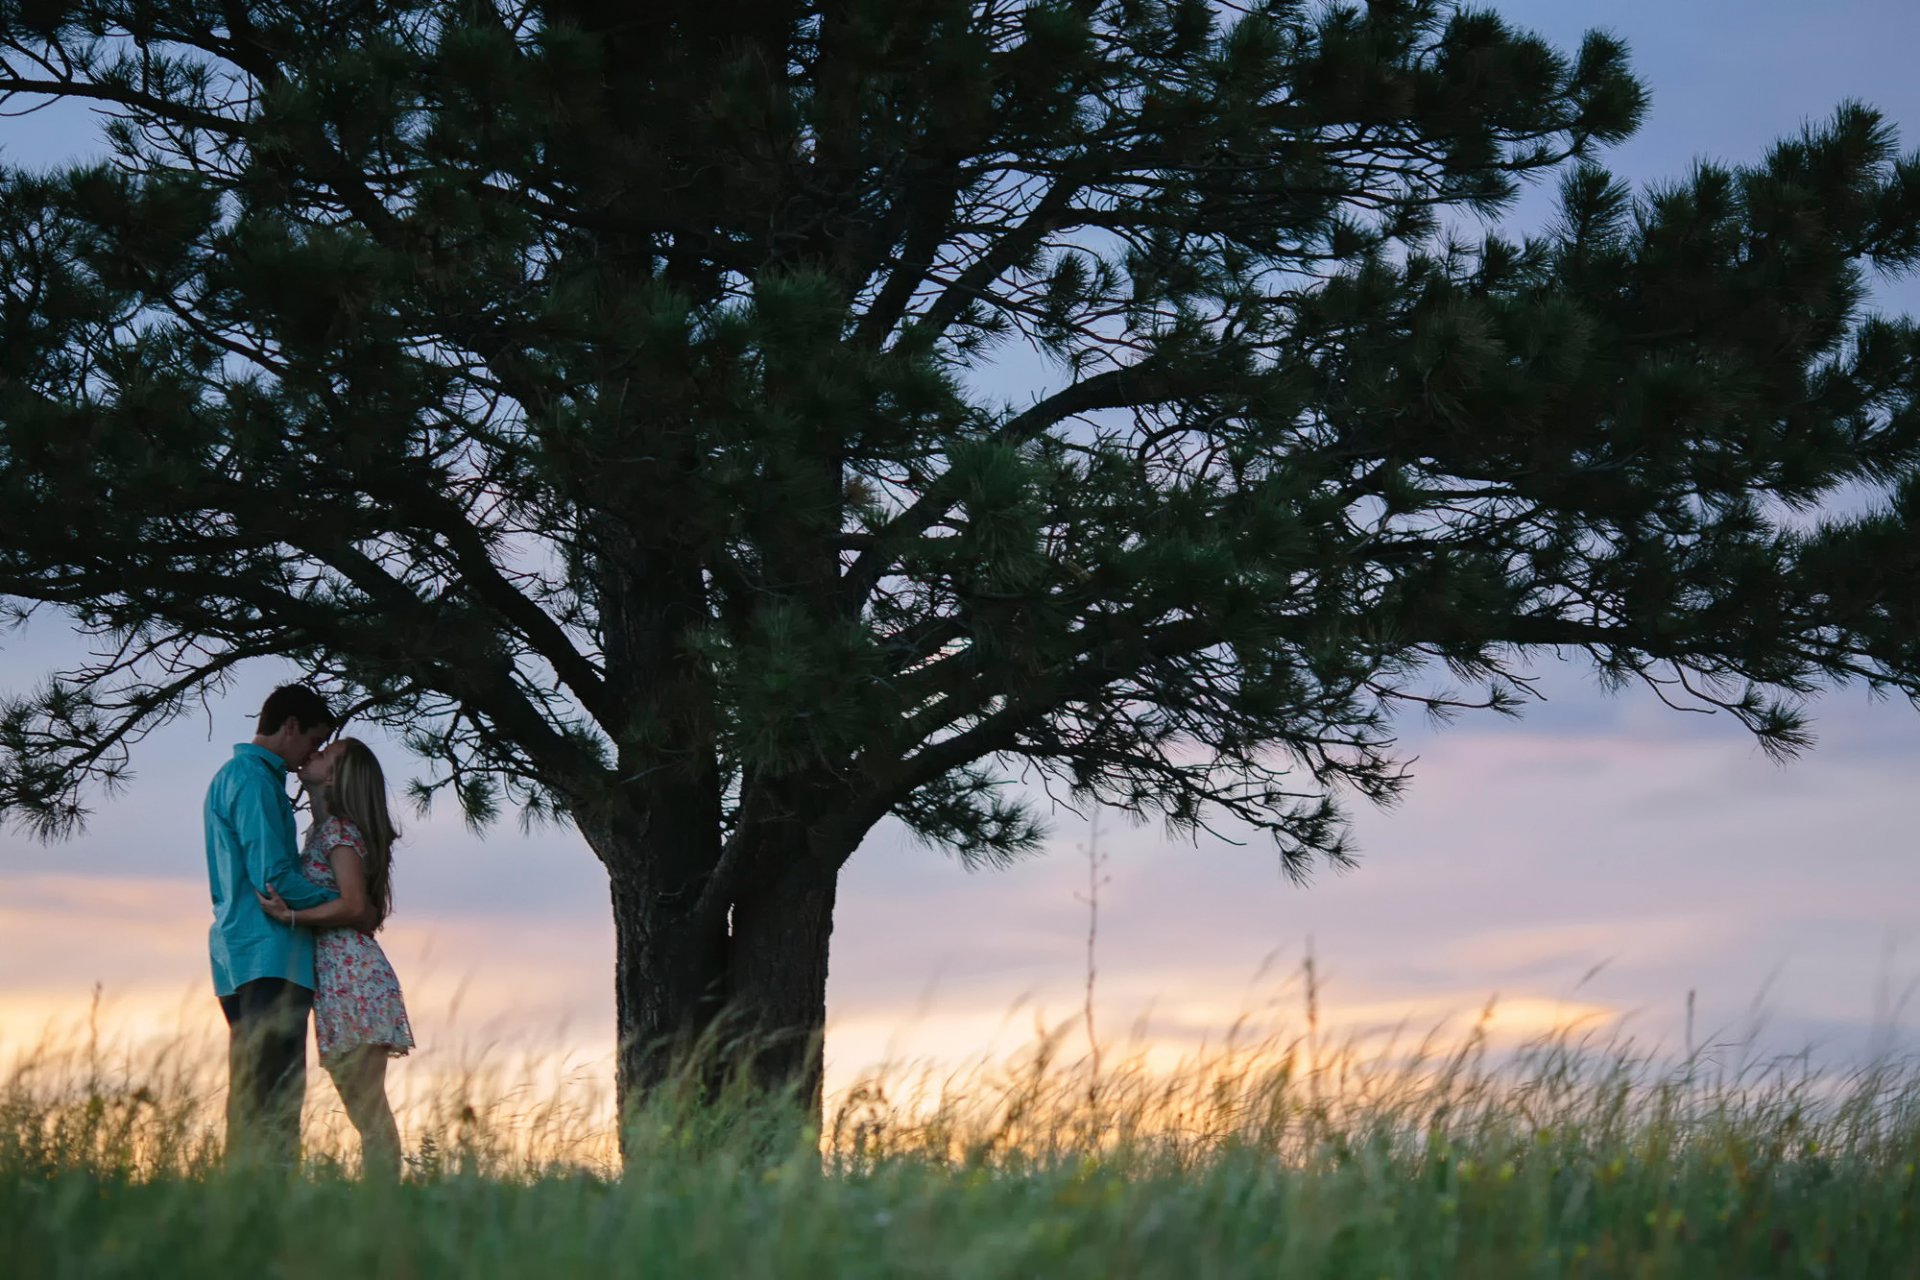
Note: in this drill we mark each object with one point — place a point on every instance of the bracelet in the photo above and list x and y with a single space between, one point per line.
293 918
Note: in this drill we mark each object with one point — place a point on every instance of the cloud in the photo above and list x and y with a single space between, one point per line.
1522 860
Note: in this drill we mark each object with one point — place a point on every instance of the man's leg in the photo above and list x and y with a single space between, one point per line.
242 1010
266 1069
286 1063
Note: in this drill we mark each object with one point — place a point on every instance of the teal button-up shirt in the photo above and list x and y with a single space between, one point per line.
250 842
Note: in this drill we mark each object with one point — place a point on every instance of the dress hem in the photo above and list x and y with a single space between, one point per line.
335 1055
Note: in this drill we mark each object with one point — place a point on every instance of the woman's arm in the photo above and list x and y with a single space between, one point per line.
350 910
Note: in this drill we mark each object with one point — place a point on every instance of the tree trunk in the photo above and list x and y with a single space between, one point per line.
777 978
703 997
669 962
669 988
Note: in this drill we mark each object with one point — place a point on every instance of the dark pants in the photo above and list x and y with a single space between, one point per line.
266 1069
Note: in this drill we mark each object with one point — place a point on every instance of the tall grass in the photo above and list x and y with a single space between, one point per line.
1574 1156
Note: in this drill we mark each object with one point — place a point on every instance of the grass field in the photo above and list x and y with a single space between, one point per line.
1570 1158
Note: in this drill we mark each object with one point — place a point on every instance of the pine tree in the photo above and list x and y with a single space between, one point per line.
605 394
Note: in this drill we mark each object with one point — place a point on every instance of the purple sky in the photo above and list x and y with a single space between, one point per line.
1596 832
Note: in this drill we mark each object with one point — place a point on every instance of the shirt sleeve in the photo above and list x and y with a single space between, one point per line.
265 827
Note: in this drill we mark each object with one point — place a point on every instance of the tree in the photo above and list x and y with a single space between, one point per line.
605 395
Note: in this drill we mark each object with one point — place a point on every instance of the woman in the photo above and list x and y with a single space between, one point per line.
359 1018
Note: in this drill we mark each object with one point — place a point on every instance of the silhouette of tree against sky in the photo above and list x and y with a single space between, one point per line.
595 394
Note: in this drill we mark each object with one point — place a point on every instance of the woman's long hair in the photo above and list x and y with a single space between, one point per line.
359 794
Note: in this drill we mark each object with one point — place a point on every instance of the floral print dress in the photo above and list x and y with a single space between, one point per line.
356 996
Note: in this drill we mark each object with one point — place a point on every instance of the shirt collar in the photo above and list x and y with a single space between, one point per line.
261 754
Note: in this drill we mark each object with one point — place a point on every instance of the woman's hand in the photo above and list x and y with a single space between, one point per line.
274 905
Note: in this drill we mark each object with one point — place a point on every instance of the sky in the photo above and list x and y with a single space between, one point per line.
1595 862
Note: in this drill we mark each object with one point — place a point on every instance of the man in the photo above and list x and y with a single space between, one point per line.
262 969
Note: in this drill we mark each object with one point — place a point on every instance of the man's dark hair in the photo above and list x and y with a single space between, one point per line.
298 701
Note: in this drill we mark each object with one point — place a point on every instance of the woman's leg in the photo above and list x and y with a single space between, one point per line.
361 1077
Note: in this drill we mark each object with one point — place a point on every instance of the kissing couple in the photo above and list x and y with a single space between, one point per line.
293 931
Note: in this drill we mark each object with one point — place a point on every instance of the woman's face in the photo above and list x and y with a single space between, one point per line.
318 770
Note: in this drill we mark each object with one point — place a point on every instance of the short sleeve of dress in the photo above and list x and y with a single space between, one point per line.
340 831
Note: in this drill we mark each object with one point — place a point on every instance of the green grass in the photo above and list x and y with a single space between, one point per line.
1567 1159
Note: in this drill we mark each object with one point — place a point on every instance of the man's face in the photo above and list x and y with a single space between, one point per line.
302 743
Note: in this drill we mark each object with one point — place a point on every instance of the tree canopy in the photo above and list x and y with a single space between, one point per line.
724 426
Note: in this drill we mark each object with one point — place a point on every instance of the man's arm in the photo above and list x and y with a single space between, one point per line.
350 911
265 829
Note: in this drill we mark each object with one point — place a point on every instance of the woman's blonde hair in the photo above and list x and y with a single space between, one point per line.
359 794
